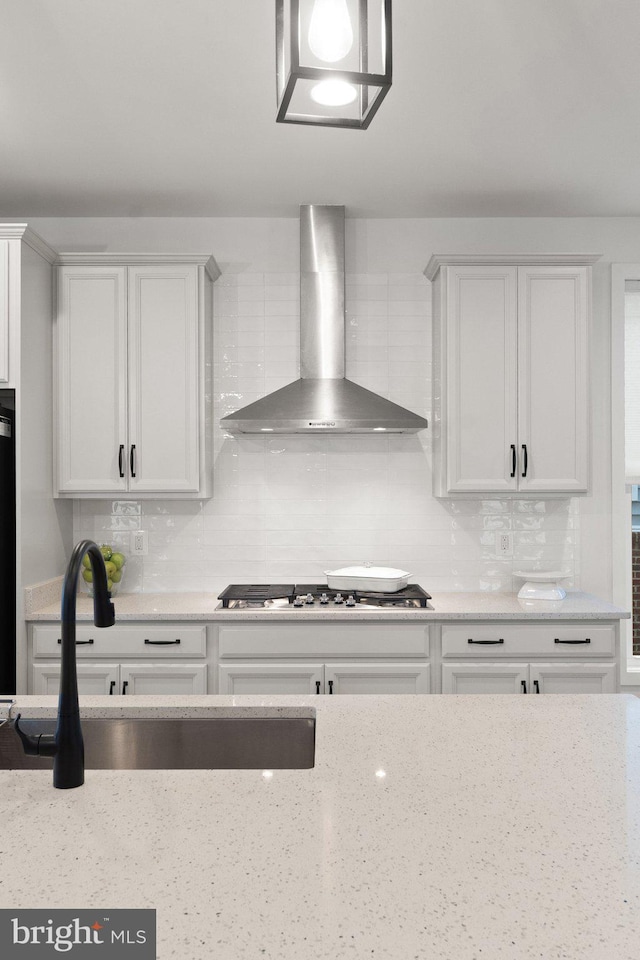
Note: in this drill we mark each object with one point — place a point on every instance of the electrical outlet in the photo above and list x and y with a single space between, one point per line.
139 543
504 544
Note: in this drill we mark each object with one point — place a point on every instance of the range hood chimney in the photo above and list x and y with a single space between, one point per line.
322 400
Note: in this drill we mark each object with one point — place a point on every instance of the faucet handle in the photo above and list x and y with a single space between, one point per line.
41 745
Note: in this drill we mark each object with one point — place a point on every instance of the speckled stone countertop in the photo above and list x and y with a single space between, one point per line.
443 606
452 828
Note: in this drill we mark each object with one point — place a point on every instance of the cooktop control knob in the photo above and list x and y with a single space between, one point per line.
351 600
324 598
298 602
309 598
338 598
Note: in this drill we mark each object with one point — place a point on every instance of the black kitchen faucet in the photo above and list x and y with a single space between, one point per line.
66 745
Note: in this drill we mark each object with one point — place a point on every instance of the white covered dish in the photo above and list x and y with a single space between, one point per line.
541 584
375 579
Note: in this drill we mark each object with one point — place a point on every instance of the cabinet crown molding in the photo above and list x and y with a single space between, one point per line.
140 259
508 259
22 231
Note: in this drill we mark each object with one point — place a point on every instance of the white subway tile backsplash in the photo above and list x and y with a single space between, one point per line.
283 280
287 508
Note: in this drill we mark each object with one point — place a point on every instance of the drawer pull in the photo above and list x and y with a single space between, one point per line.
572 641
330 686
317 686
162 643
484 641
79 643
112 687
125 684
523 684
536 686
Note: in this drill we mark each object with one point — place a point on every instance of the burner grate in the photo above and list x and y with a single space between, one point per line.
256 592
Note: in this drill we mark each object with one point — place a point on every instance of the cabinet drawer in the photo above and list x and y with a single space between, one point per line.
154 642
493 640
293 640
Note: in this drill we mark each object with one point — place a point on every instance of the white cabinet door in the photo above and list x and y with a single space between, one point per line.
552 379
485 678
91 345
376 678
510 360
481 357
163 678
94 679
4 311
572 678
163 379
270 678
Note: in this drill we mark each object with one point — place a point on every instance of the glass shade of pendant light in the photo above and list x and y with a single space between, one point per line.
333 60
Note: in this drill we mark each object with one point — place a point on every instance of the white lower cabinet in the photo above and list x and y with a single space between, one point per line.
302 658
133 678
323 658
505 657
124 659
528 678
318 678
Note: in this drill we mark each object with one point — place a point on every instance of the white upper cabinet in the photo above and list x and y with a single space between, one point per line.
133 341
511 408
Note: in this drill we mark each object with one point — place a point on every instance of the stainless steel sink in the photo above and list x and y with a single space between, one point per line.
211 743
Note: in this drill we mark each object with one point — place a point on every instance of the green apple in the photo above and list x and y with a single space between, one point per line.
109 585
110 568
87 576
106 551
86 562
119 559
116 576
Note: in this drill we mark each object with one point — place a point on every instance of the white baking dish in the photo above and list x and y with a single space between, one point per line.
375 579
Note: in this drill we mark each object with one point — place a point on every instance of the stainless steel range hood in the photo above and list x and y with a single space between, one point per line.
322 400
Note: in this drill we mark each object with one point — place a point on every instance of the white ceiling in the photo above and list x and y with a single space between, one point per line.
167 108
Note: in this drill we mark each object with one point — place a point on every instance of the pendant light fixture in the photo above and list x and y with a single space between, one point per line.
333 60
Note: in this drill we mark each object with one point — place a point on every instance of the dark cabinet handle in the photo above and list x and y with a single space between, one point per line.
132 460
120 459
536 686
587 640
112 687
317 686
125 684
162 643
481 642
526 459
523 684
513 459
79 643
330 686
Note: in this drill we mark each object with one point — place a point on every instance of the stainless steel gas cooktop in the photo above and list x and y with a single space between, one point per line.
246 596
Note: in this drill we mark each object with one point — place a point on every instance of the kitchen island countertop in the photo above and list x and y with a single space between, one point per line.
450 827
205 607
